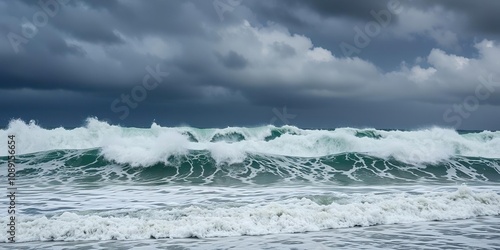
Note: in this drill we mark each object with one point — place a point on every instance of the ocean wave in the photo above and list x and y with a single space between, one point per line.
146 147
200 167
286 216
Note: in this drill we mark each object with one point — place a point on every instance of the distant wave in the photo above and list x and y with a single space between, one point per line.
146 147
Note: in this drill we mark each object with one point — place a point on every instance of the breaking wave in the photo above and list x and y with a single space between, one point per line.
287 216
146 147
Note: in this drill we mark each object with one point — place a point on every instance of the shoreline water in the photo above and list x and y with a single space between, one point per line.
477 233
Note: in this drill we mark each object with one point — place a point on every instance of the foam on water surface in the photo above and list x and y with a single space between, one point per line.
143 147
106 182
284 216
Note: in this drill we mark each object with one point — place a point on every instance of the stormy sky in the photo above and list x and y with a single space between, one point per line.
317 64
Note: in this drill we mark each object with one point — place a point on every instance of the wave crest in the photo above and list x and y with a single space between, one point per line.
144 147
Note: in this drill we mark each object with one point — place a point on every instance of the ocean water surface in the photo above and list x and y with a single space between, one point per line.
106 186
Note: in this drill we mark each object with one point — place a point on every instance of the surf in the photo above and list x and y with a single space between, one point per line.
148 146
294 215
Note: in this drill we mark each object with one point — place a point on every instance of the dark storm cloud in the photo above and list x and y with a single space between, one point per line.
343 8
263 54
359 9
62 48
233 60
482 16
91 30
163 17
99 4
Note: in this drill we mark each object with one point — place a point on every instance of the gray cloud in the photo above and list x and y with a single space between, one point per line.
264 54
482 16
233 60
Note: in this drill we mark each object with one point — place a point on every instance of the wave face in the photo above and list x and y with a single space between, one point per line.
145 147
256 155
200 168
102 181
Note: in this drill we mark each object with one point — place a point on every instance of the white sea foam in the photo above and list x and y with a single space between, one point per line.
143 147
287 216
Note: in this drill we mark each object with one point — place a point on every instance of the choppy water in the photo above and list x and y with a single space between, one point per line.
102 185
476 233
